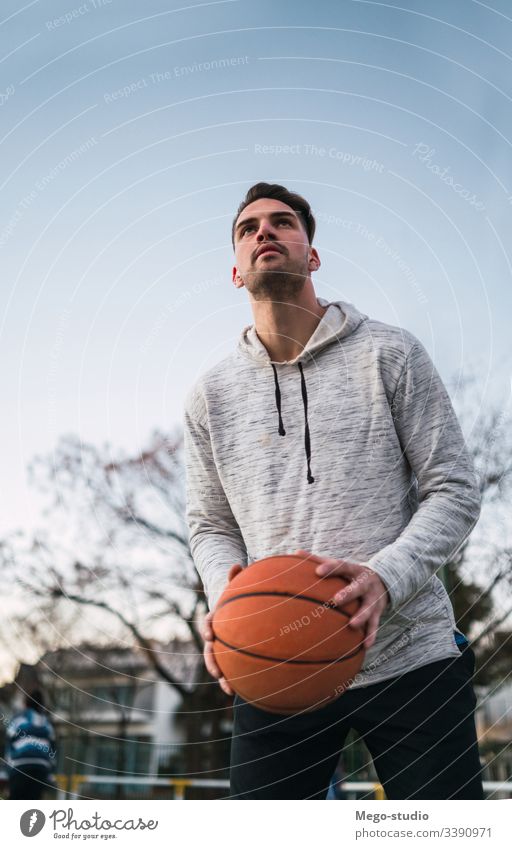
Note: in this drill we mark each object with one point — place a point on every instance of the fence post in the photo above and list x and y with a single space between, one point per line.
179 785
379 792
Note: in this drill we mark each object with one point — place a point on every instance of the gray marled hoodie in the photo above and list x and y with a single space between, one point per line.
350 450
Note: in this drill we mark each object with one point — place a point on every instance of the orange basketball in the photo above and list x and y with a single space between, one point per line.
279 640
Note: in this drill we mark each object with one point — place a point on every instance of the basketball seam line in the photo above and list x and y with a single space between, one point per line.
328 604
288 660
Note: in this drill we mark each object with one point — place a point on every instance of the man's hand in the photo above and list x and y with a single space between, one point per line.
364 584
208 636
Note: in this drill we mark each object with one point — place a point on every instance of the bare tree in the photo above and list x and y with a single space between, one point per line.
479 579
116 545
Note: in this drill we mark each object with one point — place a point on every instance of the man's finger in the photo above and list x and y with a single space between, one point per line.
233 572
354 589
225 686
208 631
212 669
301 552
363 615
210 662
371 631
331 566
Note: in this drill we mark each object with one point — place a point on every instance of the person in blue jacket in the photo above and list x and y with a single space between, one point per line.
30 750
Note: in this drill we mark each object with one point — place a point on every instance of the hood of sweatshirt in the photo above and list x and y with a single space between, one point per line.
340 320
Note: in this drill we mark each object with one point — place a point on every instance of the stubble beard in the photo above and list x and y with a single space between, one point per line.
279 285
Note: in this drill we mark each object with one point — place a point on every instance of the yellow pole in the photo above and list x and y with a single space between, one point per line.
179 785
76 781
379 792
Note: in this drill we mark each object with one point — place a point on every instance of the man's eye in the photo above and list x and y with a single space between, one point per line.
251 226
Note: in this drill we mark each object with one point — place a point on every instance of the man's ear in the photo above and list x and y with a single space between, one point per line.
237 280
314 260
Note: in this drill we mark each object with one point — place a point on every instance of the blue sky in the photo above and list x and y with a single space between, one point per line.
129 135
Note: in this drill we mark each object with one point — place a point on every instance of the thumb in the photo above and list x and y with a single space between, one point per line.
234 571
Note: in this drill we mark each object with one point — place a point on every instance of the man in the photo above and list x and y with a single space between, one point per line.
30 753
330 433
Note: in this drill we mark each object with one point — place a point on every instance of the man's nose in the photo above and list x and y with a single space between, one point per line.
265 231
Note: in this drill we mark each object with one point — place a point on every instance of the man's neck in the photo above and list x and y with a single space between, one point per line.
285 328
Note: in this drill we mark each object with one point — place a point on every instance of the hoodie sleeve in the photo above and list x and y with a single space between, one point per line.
216 542
448 491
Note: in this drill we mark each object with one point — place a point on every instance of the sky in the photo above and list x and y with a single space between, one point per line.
129 134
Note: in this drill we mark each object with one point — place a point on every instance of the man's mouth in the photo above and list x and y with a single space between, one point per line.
268 250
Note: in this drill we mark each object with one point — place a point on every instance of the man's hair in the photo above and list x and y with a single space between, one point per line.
277 192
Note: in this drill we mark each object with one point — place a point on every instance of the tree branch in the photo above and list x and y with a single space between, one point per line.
142 642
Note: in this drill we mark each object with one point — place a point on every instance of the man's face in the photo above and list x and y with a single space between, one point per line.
272 252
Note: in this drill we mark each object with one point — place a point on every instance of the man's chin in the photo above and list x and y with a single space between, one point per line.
274 285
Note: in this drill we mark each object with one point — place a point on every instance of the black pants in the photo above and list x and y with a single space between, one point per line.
419 729
28 781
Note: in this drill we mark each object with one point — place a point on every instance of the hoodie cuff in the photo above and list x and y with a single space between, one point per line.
214 592
388 570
